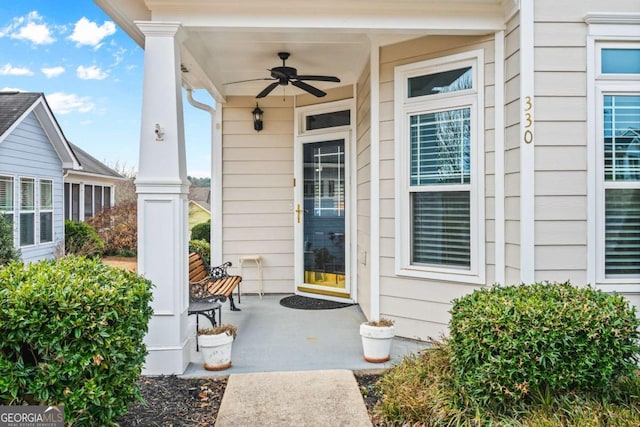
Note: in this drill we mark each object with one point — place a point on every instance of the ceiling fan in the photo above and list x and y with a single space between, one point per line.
284 75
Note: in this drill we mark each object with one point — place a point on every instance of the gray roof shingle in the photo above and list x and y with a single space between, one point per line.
13 105
91 165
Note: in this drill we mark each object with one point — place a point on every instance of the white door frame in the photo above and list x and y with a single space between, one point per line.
303 136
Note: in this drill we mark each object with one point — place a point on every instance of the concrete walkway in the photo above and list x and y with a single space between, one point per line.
302 398
294 367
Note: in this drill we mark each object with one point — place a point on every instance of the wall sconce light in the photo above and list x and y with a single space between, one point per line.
257 118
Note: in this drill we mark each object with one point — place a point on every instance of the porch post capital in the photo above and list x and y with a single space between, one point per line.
158 28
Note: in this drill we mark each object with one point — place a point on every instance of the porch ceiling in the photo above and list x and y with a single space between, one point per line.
226 41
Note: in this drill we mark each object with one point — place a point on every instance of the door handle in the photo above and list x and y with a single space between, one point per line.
299 210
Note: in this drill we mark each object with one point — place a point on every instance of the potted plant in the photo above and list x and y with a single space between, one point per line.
376 340
215 344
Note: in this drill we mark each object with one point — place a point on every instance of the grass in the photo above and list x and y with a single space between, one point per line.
421 391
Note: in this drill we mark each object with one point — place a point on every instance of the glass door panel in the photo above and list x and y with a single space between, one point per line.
324 215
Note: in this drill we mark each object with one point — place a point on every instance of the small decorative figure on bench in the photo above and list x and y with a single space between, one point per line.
212 283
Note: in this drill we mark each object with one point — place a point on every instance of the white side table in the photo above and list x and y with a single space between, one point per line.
257 259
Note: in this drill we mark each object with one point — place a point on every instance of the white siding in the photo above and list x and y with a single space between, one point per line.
512 152
27 152
420 306
363 196
257 191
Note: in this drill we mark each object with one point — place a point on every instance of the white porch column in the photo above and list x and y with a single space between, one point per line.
162 189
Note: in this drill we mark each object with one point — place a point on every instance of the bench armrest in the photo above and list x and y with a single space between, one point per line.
198 292
220 271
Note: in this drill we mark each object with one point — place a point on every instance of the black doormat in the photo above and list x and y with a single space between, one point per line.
305 303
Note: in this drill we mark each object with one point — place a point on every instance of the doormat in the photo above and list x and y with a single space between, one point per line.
305 303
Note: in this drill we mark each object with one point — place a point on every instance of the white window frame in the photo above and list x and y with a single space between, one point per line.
603 87
406 107
605 31
41 210
26 211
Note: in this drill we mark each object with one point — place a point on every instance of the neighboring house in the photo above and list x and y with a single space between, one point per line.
468 142
33 155
89 190
43 177
199 205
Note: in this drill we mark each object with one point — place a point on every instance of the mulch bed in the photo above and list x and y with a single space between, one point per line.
173 402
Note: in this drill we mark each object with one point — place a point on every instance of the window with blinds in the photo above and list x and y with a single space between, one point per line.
439 216
46 211
27 211
6 196
439 156
621 161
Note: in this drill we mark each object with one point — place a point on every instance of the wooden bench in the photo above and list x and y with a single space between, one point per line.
211 283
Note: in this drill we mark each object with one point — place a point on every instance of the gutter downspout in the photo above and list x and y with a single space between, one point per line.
216 178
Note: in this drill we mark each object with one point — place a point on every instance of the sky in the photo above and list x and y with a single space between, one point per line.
91 74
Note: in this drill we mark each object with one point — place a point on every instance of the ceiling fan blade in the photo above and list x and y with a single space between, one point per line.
249 80
268 90
312 90
320 78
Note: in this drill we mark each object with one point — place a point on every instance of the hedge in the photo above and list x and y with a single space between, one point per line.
510 343
71 333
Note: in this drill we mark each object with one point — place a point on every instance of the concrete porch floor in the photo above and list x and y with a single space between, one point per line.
276 338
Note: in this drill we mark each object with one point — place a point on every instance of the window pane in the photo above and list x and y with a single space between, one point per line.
46 227
621 138
67 189
27 195
46 195
621 61
441 229
447 81
107 197
6 193
75 202
440 147
97 199
27 229
622 232
328 120
88 201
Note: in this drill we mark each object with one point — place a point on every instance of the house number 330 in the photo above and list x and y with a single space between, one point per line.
528 132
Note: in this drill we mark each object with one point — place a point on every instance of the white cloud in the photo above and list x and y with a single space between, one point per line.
11 89
89 33
51 72
29 27
65 103
91 73
10 70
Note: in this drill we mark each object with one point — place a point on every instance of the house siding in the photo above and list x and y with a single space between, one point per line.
363 197
561 149
27 152
420 306
257 191
512 151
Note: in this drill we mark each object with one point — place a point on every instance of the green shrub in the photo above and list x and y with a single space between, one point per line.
202 231
71 333
201 247
81 239
512 343
8 252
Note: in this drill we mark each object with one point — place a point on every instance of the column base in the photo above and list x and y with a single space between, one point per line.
167 360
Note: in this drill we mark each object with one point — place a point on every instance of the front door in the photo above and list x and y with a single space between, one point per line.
321 209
